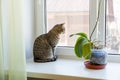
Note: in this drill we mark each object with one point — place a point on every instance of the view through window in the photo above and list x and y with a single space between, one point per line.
113 26
75 15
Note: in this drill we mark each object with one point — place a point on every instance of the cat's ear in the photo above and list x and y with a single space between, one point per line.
62 24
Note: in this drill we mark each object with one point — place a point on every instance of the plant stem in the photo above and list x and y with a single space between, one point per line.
98 15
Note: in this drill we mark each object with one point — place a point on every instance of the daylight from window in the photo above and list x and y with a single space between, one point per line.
113 26
75 15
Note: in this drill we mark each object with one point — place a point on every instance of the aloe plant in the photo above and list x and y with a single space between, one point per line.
84 44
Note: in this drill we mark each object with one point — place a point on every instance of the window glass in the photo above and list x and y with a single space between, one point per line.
75 15
113 26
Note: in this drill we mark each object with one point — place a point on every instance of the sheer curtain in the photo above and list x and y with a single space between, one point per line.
12 53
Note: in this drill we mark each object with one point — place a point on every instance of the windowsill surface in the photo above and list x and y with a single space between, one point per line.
70 69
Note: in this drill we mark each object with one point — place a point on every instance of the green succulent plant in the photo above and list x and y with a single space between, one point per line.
84 45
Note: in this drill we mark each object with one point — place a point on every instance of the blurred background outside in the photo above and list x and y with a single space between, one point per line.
75 15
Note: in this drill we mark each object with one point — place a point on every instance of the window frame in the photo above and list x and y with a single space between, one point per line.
40 23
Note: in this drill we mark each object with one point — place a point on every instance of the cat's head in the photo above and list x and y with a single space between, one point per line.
59 28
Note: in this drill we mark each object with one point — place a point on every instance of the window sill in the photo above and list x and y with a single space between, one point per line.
71 69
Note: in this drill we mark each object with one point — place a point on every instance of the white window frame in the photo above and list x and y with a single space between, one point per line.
40 23
39 8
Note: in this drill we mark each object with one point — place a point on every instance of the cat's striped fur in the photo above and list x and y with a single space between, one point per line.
44 45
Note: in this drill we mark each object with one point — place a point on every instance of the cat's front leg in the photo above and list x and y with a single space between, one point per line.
54 55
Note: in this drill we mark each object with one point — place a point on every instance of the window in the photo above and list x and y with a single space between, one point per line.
75 15
103 33
113 26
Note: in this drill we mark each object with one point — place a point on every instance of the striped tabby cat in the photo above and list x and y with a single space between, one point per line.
44 45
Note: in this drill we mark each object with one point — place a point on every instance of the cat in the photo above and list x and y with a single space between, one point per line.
44 45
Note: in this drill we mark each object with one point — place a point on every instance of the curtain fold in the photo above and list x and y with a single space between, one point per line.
2 75
13 41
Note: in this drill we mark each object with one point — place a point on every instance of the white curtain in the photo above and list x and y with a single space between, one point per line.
12 53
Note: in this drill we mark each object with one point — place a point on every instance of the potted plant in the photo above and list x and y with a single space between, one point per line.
90 50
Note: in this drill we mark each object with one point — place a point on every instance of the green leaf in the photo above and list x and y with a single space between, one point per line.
71 35
83 46
78 46
86 50
80 34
